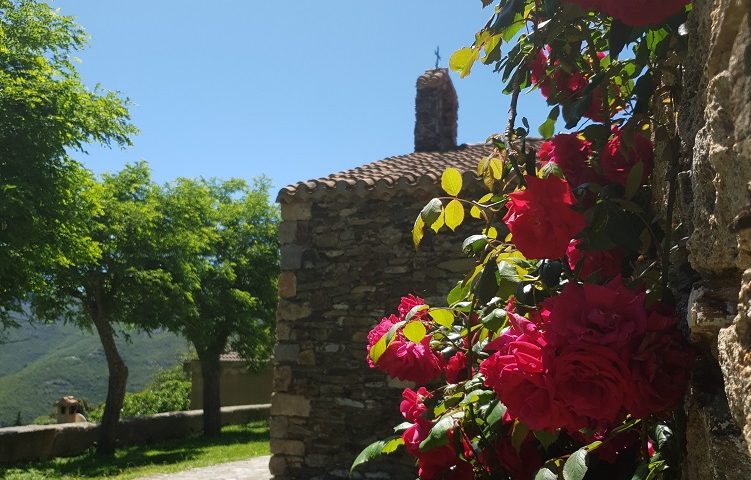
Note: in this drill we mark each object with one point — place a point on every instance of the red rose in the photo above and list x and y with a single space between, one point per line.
604 263
412 407
402 358
564 86
635 12
440 463
521 464
660 368
590 384
623 151
517 373
408 303
570 153
541 219
599 315
456 368
379 331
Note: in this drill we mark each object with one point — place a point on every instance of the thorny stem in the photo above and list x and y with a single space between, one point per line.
516 81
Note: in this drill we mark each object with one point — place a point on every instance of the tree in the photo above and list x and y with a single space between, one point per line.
124 284
45 112
226 255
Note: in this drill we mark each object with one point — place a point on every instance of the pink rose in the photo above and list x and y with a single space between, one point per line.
541 218
408 303
412 407
402 358
456 368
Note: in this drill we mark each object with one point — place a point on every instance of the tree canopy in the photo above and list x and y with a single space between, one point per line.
46 112
226 254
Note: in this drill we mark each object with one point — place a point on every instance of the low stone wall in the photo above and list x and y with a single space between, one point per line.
42 442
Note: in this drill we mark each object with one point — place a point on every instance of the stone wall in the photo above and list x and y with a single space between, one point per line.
713 205
237 385
42 442
347 258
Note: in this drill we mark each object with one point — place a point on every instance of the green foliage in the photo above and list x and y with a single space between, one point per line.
225 261
45 112
168 392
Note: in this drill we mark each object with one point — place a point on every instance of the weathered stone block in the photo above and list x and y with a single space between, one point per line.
287 232
287 447
296 210
287 285
290 405
286 352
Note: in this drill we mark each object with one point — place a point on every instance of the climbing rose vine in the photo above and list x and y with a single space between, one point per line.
559 355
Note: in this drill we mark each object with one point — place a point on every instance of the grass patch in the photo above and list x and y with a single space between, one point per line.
237 442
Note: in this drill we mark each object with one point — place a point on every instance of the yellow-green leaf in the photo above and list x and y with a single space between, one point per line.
496 168
417 232
415 331
474 212
377 350
491 233
438 224
451 181
454 214
441 316
463 59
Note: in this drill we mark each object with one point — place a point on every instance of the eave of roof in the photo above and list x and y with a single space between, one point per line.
402 171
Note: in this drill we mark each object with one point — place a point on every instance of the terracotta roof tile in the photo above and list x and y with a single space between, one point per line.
406 170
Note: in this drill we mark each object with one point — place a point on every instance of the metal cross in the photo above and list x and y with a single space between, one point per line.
437 56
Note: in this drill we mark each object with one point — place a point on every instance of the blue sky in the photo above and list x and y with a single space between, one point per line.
292 90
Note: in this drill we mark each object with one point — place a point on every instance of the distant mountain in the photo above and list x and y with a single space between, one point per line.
41 363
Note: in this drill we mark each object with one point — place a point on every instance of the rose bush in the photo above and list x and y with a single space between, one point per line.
559 355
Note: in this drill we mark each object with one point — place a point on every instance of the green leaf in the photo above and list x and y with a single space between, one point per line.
374 450
576 466
546 438
431 212
634 180
643 90
618 37
496 413
519 434
392 445
547 129
462 60
454 214
443 317
474 244
495 320
415 331
642 471
414 311
545 473
451 181
439 434
487 286
458 294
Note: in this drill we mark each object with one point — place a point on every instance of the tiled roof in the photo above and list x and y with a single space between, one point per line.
231 357
403 170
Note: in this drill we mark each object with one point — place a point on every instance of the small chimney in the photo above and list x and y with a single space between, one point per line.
436 107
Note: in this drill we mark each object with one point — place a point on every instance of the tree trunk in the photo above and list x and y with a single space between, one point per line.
212 407
118 378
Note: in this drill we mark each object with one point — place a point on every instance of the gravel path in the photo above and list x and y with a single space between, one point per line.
254 469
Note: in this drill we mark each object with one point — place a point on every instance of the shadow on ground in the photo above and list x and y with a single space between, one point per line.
165 453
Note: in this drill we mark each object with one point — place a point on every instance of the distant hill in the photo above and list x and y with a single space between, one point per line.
42 363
